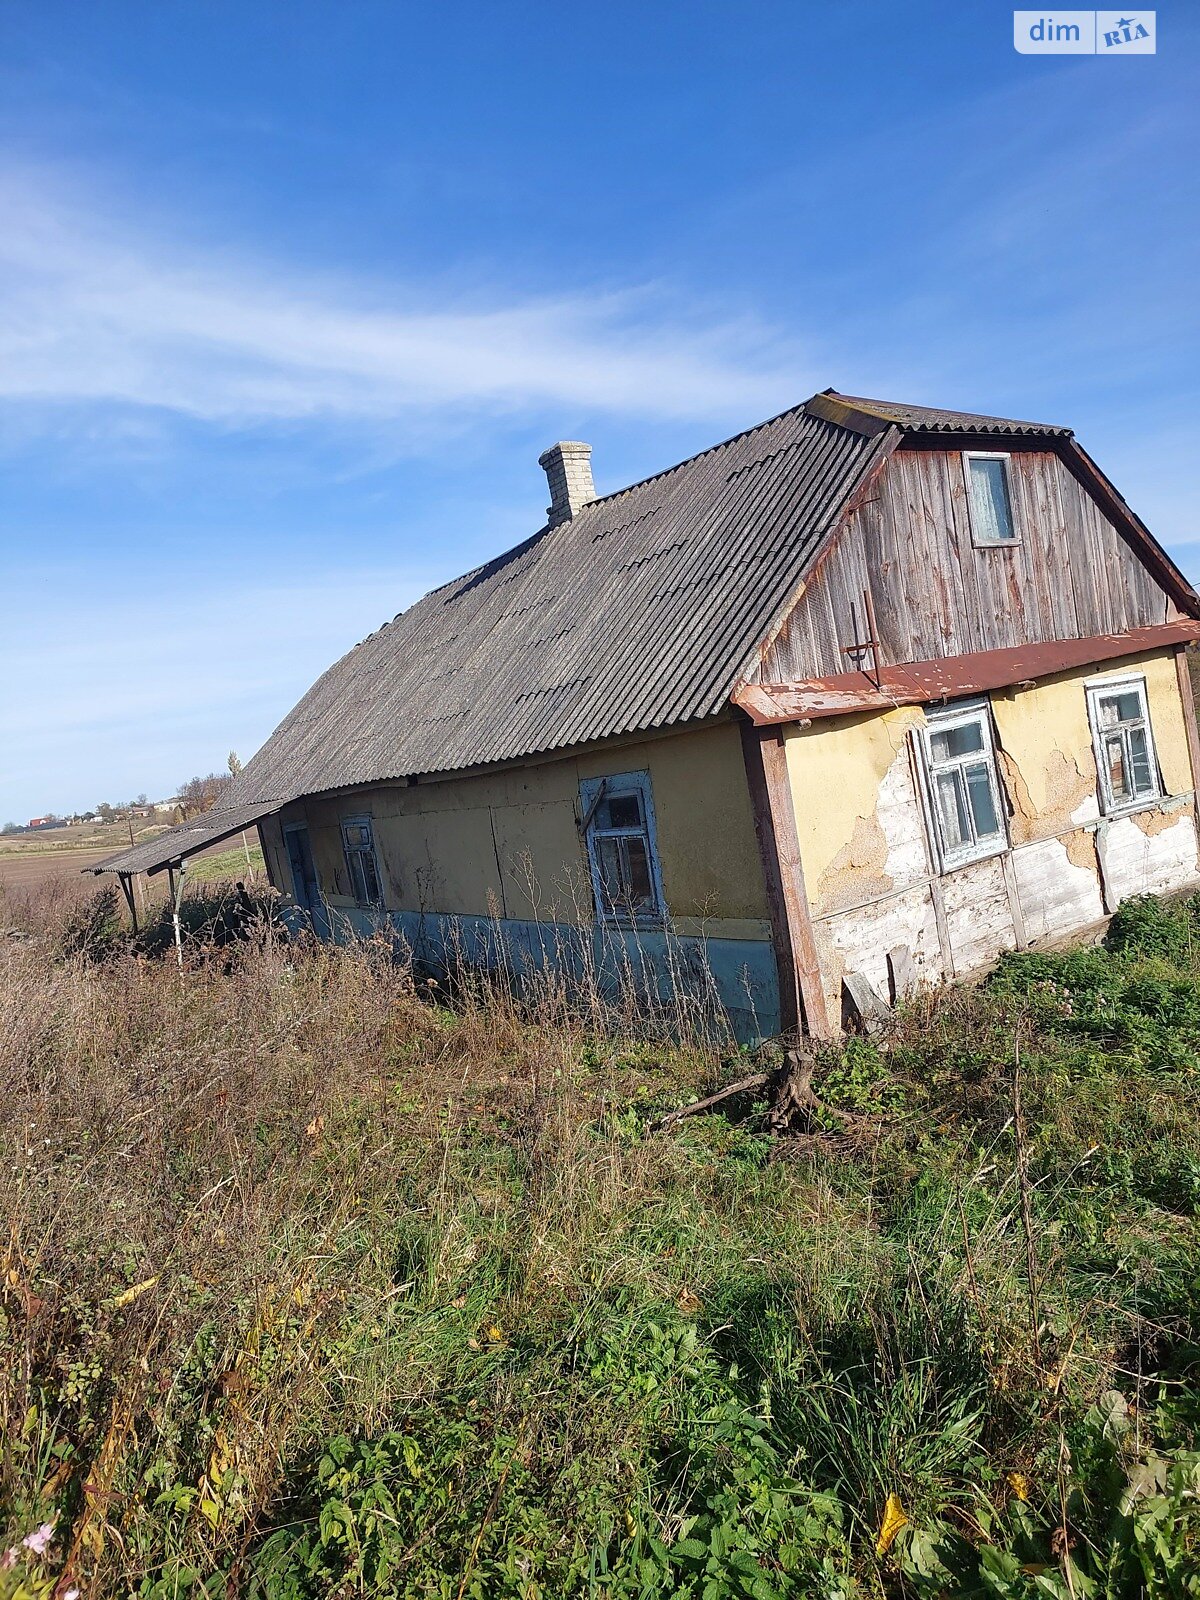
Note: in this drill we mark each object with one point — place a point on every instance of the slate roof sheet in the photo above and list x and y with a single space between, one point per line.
638 613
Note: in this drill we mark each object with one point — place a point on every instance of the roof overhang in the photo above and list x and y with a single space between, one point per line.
172 848
927 682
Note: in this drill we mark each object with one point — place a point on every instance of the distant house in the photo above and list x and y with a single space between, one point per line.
853 701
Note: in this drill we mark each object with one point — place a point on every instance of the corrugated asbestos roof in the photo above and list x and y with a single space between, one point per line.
635 614
638 613
176 844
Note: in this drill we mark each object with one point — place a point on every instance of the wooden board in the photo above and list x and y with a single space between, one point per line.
800 994
936 595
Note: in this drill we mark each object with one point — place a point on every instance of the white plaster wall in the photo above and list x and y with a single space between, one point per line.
978 917
1142 863
859 941
1055 895
898 814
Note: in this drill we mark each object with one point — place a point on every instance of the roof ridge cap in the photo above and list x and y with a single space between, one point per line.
881 410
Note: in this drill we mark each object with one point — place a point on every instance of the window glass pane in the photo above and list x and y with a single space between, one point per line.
608 858
1114 760
992 513
1117 708
624 811
950 742
983 805
354 868
625 873
637 864
952 809
1141 778
370 878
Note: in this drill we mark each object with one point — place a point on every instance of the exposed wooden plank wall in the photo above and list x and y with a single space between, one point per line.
1071 576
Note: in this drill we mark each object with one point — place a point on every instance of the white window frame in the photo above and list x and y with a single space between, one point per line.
591 792
978 538
362 820
1098 689
937 720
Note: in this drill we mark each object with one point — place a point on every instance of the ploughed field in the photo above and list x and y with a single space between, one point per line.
32 861
27 868
323 1277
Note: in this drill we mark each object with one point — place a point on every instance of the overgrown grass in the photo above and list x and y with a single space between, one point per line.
318 1285
224 866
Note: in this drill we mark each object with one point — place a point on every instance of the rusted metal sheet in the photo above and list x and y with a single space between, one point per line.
926 682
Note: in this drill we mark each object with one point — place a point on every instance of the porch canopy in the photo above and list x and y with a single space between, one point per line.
168 851
172 849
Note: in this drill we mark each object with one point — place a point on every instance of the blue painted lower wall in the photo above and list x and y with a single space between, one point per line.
666 972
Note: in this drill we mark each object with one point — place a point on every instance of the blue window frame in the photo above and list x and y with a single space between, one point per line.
358 846
962 786
1124 744
619 829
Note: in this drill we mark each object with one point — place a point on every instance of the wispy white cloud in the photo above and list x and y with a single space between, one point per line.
118 689
93 310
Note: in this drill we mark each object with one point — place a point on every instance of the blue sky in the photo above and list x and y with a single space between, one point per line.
293 295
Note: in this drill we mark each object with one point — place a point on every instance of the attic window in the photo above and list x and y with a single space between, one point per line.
618 820
962 786
358 846
989 499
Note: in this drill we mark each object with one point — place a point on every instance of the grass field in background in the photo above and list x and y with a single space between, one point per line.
228 864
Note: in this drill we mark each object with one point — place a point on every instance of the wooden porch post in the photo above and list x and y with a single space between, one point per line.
801 997
1183 673
126 881
175 875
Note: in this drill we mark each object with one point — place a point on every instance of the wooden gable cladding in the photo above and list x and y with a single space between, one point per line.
934 594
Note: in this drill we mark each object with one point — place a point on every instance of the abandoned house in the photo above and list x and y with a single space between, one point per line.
851 702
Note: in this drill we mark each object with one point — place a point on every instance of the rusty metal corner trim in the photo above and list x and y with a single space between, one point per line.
930 682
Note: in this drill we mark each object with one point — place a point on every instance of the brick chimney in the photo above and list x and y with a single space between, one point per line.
568 469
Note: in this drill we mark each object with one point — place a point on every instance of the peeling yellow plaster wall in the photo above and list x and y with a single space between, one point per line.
837 767
1046 743
859 819
509 841
710 860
